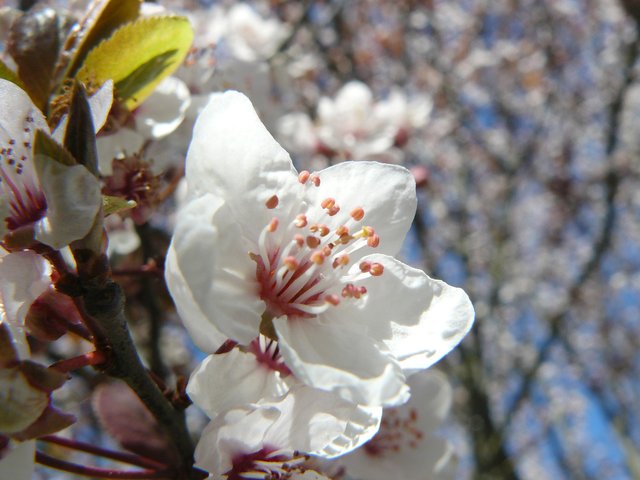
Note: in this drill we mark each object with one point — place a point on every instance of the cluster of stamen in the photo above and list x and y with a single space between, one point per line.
300 265
267 353
265 464
397 431
17 180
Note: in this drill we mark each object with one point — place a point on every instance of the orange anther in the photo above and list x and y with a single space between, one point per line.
333 210
376 269
373 241
332 299
299 239
315 180
273 225
272 202
342 230
317 257
324 230
368 231
312 241
328 203
291 263
301 221
357 214
365 266
303 176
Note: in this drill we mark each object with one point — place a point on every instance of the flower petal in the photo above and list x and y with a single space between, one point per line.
165 108
387 193
419 319
73 200
209 274
231 380
25 275
233 155
333 356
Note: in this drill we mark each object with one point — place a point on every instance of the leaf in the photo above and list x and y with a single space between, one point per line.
116 204
127 420
80 137
138 56
8 74
101 20
43 144
34 44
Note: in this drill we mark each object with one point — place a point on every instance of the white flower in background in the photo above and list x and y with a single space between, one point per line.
158 116
123 238
60 201
306 258
353 126
407 447
273 438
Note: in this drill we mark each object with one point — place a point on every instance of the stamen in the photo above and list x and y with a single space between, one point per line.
299 239
365 266
357 214
303 176
301 221
315 180
340 261
333 210
273 225
373 241
317 257
272 202
376 269
328 203
312 241
342 230
291 263
332 299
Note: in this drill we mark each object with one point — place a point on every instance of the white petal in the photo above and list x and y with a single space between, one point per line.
164 110
335 357
387 193
426 318
232 380
73 200
233 155
25 275
209 269
19 463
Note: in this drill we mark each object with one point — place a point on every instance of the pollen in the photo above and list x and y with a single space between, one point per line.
317 257
377 269
301 221
273 225
357 214
303 176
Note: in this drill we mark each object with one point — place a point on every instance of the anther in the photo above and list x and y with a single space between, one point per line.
301 221
272 202
342 230
340 261
368 231
373 241
303 176
299 239
357 214
332 299
291 263
324 230
312 241
333 210
328 203
273 225
315 180
365 266
317 257
376 269
326 250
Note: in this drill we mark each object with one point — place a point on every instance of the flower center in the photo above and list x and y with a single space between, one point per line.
396 432
17 180
267 354
302 266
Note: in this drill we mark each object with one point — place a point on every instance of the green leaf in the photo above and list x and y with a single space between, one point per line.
102 19
44 145
8 74
34 44
116 204
80 137
138 56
